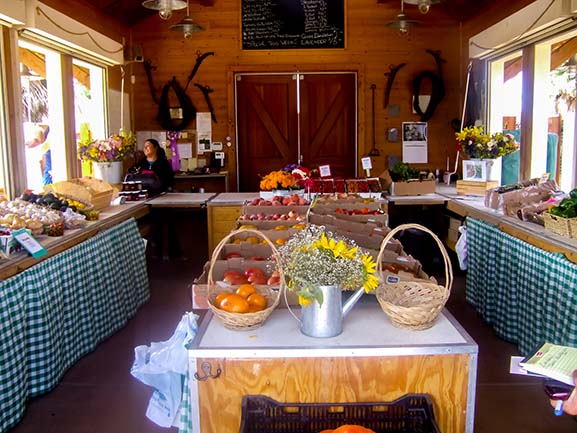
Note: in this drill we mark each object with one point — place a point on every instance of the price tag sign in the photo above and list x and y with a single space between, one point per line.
325 170
29 243
367 163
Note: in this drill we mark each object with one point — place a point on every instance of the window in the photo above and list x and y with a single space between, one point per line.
4 184
532 91
46 113
89 102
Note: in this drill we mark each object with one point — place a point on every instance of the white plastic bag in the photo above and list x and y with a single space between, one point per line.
461 247
163 365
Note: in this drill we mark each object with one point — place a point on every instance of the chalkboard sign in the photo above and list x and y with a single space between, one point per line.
282 24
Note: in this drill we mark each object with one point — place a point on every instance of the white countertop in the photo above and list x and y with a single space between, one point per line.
234 198
180 199
367 331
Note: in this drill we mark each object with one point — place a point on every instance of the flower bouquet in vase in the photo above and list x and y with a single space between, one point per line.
318 266
485 153
106 155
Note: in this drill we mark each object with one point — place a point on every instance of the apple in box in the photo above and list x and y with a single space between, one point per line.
234 277
255 276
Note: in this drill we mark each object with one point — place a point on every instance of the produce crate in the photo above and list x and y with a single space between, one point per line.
558 224
411 413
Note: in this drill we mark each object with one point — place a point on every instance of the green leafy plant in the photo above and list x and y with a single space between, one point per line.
402 171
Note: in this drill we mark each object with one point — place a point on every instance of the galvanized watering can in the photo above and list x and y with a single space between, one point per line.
326 320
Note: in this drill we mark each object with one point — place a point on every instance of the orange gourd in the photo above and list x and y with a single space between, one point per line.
349 428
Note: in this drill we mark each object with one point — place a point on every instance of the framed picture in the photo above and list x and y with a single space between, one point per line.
475 170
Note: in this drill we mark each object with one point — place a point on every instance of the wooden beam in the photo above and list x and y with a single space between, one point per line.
35 61
563 51
527 103
208 3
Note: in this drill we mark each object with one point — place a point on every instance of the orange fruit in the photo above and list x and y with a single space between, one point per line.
220 297
245 290
258 300
254 308
252 240
280 241
234 303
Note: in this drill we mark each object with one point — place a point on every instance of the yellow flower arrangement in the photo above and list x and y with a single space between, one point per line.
315 257
277 180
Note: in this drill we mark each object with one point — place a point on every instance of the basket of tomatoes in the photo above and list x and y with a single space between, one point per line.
244 302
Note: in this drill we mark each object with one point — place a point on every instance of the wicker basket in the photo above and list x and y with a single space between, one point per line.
560 225
414 304
243 321
573 228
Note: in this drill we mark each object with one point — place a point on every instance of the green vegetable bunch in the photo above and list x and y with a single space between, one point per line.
568 206
402 171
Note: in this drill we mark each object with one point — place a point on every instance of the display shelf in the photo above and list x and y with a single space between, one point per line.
370 361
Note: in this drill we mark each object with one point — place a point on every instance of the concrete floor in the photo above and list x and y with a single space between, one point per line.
99 395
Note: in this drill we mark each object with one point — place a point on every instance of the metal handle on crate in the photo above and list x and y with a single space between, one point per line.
206 368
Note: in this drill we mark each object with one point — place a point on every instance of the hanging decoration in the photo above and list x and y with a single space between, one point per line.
186 112
167 115
206 91
173 136
390 79
437 84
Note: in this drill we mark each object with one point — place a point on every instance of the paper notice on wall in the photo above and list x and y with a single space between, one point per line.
415 142
184 150
203 132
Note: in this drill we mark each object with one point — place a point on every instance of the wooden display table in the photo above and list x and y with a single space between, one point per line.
223 212
371 361
109 217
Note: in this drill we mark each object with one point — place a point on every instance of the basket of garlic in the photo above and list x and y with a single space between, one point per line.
17 214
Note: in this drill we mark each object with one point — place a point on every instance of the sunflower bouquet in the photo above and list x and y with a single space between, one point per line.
476 144
316 257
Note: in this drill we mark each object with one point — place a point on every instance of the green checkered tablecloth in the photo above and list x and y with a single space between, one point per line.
57 311
528 295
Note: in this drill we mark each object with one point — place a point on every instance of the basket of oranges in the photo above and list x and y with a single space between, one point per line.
241 304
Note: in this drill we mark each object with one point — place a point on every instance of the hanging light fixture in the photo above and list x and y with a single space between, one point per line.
402 23
164 7
423 5
187 26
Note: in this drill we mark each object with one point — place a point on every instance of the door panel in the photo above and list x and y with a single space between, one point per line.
267 126
328 122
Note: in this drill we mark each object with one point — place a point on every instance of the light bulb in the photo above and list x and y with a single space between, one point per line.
187 34
165 14
165 11
424 6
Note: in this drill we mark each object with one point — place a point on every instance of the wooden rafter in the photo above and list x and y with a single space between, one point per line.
37 63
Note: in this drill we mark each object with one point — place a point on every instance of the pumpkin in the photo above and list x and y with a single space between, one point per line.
349 428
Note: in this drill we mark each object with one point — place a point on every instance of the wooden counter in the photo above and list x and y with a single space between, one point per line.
534 234
109 217
223 212
371 361
214 182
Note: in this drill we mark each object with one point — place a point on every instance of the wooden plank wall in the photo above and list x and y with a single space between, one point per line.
371 48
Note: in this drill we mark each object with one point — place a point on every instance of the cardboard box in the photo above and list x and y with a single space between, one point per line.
417 187
246 250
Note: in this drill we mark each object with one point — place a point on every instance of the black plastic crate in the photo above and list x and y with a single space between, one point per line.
412 413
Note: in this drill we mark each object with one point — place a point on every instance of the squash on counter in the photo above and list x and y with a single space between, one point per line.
349 428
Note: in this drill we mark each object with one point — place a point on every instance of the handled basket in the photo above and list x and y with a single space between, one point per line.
414 304
243 321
